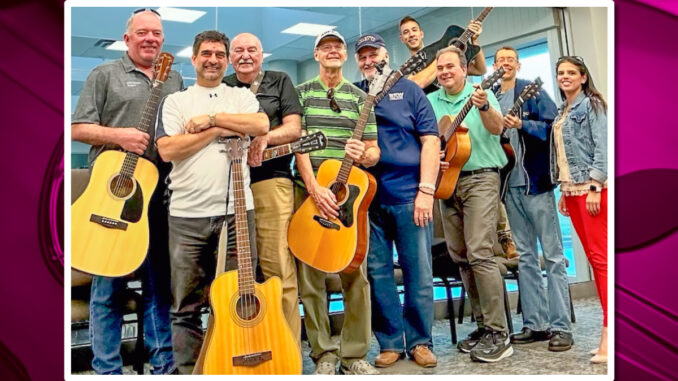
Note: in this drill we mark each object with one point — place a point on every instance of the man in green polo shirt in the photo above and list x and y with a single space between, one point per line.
469 217
332 105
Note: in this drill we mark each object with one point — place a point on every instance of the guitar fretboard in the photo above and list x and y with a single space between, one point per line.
347 163
468 33
242 236
277 151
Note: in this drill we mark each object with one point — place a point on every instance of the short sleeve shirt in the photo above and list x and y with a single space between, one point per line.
278 98
115 95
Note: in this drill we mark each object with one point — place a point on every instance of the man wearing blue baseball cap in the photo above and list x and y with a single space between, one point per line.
401 213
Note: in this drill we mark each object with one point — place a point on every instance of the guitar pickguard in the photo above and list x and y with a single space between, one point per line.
133 209
346 209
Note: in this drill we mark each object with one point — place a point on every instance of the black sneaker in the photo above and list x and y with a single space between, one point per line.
561 341
493 346
471 340
527 335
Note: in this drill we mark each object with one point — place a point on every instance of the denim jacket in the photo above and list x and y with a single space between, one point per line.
585 142
537 115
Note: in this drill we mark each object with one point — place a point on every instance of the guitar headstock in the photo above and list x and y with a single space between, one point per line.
163 66
414 64
492 78
315 141
235 147
532 89
379 79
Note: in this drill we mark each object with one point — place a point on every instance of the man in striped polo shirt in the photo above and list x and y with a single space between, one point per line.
332 105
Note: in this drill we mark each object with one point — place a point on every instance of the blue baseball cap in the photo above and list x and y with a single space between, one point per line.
369 39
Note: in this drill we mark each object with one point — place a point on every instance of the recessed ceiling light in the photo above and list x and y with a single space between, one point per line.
179 15
118 45
186 52
306 29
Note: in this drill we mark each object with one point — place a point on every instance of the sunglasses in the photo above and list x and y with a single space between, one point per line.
333 102
146 10
577 59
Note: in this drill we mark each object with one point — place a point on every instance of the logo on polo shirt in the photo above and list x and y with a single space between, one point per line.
133 83
395 96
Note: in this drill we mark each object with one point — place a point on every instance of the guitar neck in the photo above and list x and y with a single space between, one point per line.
515 110
277 151
468 33
457 120
390 83
347 163
242 236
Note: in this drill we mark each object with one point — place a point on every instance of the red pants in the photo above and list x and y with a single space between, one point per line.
592 232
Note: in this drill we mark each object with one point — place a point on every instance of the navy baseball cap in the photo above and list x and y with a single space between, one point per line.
369 39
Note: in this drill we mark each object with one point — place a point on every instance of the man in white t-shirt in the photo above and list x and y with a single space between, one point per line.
189 125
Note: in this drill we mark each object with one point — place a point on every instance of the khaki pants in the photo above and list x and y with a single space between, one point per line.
356 331
469 220
273 205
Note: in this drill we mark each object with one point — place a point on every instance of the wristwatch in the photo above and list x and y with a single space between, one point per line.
595 188
213 119
485 107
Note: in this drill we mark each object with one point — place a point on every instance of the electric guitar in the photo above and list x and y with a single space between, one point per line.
528 92
338 244
315 141
250 334
457 142
109 221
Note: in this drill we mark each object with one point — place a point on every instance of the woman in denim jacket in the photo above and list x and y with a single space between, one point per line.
579 163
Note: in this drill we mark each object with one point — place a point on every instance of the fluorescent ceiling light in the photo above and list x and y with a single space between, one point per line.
179 15
306 29
186 52
266 55
118 45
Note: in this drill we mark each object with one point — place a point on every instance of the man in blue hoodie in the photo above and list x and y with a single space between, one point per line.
531 210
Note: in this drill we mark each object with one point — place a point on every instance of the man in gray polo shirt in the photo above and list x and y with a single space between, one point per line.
106 116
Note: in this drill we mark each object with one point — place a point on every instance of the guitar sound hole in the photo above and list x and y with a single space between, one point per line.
248 307
340 192
122 186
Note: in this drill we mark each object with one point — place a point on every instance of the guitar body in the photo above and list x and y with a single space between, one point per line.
457 152
339 244
506 170
110 233
258 341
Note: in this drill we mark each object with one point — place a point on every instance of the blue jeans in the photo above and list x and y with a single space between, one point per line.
534 217
107 304
394 225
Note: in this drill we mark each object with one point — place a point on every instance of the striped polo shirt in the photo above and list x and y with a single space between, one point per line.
337 126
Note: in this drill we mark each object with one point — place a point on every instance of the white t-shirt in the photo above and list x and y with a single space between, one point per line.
198 183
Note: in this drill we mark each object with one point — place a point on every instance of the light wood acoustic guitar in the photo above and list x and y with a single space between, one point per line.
340 244
457 142
250 335
530 91
109 221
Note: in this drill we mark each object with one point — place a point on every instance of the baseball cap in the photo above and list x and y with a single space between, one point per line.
369 39
329 33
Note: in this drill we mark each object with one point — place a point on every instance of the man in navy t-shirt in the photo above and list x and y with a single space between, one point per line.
401 213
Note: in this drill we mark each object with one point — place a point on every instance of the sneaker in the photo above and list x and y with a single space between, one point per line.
424 357
387 358
471 340
560 341
326 368
527 335
492 347
359 367
509 248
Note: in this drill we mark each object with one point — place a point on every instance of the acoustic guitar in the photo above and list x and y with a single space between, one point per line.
250 334
305 144
457 142
530 91
109 221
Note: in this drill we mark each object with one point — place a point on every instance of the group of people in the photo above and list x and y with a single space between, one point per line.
400 147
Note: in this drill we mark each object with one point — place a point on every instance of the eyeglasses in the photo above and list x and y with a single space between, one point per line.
326 48
506 59
577 59
333 102
146 10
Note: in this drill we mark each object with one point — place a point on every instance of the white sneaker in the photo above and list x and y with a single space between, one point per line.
359 367
326 368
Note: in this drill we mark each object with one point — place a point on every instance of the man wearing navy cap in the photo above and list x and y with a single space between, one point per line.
401 213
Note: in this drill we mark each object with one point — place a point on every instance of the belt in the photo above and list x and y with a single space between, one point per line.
477 171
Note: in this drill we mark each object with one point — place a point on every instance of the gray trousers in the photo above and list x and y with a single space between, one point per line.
469 220
193 258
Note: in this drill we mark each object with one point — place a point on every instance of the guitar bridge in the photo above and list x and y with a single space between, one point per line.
326 223
252 359
108 222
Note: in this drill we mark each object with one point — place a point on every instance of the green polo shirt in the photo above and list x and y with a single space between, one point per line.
486 151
